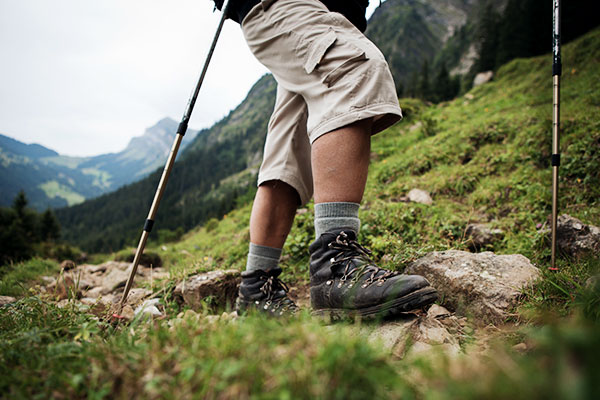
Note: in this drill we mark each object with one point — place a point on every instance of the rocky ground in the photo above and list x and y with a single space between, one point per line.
478 294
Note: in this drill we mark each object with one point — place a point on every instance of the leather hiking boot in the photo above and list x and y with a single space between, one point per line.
344 281
263 291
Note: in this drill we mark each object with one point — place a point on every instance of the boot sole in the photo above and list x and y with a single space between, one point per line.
412 301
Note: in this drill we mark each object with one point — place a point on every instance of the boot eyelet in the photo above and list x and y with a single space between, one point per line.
256 302
332 260
364 285
350 285
340 284
328 282
379 283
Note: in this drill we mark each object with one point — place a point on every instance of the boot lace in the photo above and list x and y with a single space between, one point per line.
272 288
349 251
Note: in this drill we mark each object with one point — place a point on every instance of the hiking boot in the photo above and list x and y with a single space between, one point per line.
344 281
265 292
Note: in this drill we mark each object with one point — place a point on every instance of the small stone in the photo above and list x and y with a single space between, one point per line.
67 265
437 311
483 77
481 235
136 295
149 307
127 312
419 196
521 347
5 300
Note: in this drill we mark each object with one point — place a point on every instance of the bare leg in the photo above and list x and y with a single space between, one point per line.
273 213
340 163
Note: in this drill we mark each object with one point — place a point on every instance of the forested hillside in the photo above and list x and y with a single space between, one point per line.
216 169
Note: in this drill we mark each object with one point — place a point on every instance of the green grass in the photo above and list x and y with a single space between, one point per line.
49 352
16 279
54 189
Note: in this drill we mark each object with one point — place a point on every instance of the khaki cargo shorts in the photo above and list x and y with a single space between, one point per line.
328 75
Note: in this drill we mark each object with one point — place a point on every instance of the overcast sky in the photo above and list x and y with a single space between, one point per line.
83 77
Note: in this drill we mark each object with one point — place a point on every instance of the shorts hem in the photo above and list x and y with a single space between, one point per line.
385 114
303 191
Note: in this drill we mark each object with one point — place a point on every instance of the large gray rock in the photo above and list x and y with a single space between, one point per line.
484 285
576 238
214 289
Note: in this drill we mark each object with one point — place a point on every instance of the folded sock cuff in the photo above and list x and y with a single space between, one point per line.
337 215
262 257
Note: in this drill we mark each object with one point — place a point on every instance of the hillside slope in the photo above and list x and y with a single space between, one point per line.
53 180
484 157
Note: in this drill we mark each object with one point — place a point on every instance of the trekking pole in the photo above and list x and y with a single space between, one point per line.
181 129
556 72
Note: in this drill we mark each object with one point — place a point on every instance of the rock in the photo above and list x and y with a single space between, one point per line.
64 287
5 300
481 235
95 268
116 276
436 311
410 334
419 196
100 307
521 347
576 238
484 285
127 312
95 292
67 265
149 307
147 259
430 334
393 335
483 77
593 283
219 287
137 295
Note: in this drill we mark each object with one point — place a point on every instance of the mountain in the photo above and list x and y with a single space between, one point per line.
408 32
52 180
216 171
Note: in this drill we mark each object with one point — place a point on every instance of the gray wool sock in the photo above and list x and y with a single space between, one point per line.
262 257
336 215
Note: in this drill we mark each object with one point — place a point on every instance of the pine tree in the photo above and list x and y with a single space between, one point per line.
49 227
487 36
423 86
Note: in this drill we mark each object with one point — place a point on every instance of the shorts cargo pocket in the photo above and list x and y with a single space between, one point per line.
332 57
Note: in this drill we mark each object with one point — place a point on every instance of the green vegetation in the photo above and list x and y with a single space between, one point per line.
54 189
483 157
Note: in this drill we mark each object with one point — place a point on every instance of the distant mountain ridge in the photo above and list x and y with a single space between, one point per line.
53 180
